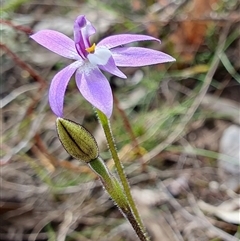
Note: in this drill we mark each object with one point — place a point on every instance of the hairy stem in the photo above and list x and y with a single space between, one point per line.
116 192
112 147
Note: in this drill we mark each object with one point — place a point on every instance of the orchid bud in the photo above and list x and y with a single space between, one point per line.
76 140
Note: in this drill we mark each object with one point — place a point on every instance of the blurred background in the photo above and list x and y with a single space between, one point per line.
176 125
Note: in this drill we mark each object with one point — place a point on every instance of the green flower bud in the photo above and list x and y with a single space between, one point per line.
76 140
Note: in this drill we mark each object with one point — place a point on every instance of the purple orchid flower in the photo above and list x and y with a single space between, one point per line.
91 59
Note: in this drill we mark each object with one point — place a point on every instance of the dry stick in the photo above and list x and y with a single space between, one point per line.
126 122
24 29
32 73
17 92
187 117
41 146
26 142
38 97
129 129
24 66
68 220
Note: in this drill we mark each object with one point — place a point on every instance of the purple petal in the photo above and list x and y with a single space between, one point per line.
137 56
96 89
112 68
58 88
121 39
56 42
83 29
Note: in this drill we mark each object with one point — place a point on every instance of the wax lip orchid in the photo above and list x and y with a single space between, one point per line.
90 59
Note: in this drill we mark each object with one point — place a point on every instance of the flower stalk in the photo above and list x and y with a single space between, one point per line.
116 192
110 183
112 147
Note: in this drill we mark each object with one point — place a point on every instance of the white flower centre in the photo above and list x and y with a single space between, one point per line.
100 56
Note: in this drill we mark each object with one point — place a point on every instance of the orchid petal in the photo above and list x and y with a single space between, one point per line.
83 29
122 39
137 56
96 89
100 56
56 42
58 88
112 68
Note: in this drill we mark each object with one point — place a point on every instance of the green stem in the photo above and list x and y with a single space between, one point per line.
110 183
115 190
112 147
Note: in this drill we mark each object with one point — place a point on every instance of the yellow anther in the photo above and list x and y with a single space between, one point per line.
91 49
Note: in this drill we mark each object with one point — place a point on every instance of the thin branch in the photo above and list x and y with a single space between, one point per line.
129 129
21 28
24 66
